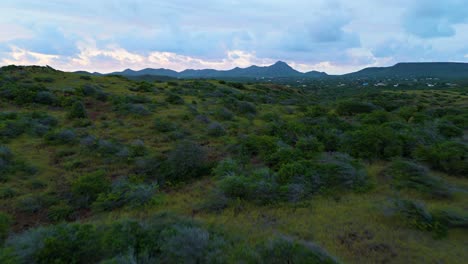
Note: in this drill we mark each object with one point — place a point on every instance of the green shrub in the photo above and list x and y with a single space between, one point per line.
215 129
30 203
174 99
66 136
5 223
77 110
226 167
448 129
406 174
354 107
373 142
224 114
86 188
448 156
60 212
415 214
164 125
125 193
286 250
45 97
187 160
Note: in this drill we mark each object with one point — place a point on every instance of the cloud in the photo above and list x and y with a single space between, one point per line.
338 35
430 19
24 57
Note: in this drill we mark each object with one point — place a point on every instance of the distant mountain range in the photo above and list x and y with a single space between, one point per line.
283 70
416 69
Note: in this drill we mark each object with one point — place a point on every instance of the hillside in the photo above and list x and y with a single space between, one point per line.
105 169
417 70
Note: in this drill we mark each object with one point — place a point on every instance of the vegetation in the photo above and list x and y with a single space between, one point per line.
105 169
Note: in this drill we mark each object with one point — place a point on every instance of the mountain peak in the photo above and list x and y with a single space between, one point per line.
280 64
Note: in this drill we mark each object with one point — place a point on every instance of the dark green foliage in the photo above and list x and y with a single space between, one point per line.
244 107
10 166
354 107
125 193
45 97
224 114
373 142
77 110
143 87
409 175
295 180
215 129
174 99
226 167
448 156
160 239
5 222
86 188
14 124
60 212
182 244
448 129
164 125
66 136
286 250
418 216
22 94
187 160
30 203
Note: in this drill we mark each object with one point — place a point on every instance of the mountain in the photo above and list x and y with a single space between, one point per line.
277 70
415 70
453 70
148 71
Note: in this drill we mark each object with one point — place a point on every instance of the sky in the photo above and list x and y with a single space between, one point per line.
335 36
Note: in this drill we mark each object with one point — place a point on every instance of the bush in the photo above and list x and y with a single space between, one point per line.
45 97
224 114
373 142
10 166
77 110
226 167
340 171
174 99
86 188
244 107
406 174
354 107
186 161
448 129
447 156
137 109
5 222
65 136
30 203
125 193
416 215
163 125
215 129
309 145
60 212
286 250
182 244
7 192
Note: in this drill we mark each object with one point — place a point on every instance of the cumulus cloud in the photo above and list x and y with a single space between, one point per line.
336 35
429 19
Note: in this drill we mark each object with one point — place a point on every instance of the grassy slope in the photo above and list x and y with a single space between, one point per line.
351 227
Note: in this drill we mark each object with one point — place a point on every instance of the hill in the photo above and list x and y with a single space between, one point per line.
416 70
